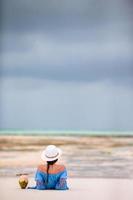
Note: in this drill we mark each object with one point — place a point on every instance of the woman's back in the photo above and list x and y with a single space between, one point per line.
51 177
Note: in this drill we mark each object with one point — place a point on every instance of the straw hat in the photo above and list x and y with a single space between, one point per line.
51 153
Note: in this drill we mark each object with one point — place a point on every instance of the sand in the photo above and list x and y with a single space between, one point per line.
92 189
84 156
103 170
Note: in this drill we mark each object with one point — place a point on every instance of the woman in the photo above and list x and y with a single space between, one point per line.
51 175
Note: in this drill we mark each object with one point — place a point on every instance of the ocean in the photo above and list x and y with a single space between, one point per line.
64 132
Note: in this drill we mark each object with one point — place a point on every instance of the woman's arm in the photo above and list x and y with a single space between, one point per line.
62 183
40 185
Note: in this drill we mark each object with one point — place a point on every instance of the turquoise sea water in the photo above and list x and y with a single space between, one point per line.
65 133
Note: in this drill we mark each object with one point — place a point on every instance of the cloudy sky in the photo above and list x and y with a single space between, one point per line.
66 64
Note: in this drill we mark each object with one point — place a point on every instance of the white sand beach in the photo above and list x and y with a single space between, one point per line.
102 171
92 189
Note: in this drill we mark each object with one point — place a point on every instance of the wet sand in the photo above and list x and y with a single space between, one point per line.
93 189
85 157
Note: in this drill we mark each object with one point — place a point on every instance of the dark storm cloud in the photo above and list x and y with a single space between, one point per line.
57 14
87 40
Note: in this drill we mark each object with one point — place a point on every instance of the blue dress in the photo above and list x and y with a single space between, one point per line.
57 178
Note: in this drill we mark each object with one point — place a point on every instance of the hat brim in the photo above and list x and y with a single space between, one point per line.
45 158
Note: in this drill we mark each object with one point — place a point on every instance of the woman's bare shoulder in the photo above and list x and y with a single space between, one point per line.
42 168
